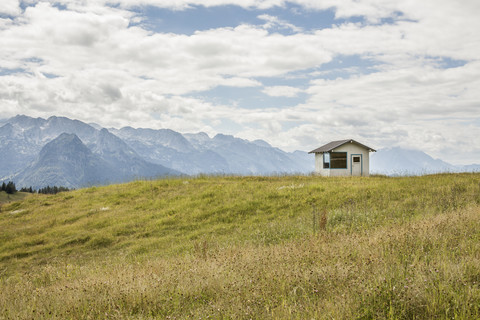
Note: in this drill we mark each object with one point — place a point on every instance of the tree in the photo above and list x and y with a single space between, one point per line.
4 186
25 189
10 188
52 190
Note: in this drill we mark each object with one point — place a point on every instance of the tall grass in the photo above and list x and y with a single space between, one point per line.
6 198
245 247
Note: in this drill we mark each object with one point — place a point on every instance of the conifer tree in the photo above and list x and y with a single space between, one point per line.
10 188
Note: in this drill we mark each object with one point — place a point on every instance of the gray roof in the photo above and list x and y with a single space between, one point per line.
335 144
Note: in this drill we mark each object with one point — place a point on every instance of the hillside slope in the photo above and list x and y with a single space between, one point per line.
242 247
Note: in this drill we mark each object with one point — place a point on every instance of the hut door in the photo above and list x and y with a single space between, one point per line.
356 164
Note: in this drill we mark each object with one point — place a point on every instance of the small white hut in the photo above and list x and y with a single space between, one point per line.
342 158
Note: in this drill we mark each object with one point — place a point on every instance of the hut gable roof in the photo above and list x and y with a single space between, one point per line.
335 144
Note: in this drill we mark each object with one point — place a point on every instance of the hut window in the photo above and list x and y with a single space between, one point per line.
356 159
326 160
338 160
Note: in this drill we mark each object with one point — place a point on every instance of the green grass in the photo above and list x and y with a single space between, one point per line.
6 198
246 247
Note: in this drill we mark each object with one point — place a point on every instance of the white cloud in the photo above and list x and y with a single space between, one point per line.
185 4
10 7
91 45
272 22
132 76
409 92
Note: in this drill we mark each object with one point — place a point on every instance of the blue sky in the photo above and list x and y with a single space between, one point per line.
198 18
296 73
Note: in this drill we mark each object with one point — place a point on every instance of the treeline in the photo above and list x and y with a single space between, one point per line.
52 190
10 188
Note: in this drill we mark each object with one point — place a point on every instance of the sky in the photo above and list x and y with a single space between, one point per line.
297 74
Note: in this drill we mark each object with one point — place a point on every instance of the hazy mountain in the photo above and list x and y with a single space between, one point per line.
399 161
198 153
22 139
40 130
124 159
247 157
305 161
163 137
60 151
15 152
66 161
171 149
470 168
130 153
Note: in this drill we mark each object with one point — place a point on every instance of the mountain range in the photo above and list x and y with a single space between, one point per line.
59 151
396 161
64 152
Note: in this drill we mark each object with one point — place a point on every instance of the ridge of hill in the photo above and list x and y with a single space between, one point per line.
242 247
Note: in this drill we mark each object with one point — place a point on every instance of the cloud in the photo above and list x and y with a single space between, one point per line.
186 4
276 23
94 60
409 92
91 45
10 7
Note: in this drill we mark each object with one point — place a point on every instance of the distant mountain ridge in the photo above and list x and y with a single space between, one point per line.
64 152
65 161
225 154
125 154
33 153
400 161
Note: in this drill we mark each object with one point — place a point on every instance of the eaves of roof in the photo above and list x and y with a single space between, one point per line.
335 144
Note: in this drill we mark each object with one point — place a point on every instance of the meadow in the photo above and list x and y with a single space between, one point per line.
221 247
6 198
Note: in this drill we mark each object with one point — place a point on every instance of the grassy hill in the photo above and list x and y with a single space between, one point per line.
6 198
246 247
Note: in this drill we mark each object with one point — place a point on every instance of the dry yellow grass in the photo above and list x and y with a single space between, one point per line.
410 255
7 198
424 269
